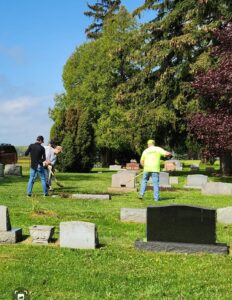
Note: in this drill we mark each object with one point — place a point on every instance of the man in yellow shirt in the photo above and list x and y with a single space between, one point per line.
150 160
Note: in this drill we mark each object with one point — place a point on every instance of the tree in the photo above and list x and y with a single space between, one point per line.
212 126
100 11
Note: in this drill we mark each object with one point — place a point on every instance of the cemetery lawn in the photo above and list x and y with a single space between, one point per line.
116 270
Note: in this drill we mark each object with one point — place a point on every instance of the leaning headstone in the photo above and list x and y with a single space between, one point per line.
91 196
137 215
115 167
224 215
196 181
78 235
8 235
123 182
217 188
173 180
1 171
13 170
41 234
181 228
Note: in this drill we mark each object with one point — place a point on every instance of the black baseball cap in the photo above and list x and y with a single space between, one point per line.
40 138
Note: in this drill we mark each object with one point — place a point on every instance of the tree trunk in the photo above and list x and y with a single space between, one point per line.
226 163
106 157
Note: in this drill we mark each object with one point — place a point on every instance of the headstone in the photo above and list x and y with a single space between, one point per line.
137 215
181 228
13 170
178 164
169 166
41 234
217 188
164 180
132 166
115 167
78 235
224 215
8 235
196 181
1 171
123 182
92 196
173 180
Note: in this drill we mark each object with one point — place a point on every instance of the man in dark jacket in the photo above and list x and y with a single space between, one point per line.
37 153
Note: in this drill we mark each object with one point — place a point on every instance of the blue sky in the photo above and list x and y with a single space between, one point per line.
36 39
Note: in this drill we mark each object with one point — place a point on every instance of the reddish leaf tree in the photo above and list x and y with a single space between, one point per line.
213 125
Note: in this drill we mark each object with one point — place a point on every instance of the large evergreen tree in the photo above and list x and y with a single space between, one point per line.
99 11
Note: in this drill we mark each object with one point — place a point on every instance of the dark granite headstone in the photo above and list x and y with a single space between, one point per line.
182 224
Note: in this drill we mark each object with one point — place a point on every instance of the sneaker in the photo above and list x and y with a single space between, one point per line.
140 197
50 188
28 195
45 195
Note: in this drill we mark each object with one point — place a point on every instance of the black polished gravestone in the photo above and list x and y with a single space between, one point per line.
181 228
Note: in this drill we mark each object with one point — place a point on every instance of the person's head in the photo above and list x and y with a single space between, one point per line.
40 139
52 144
58 150
150 143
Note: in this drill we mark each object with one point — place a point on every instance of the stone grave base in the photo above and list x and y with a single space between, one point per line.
11 237
182 247
193 187
121 189
137 215
91 196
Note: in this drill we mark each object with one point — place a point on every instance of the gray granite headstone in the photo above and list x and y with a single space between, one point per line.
196 181
173 180
8 235
78 235
13 170
123 179
224 215
164 180
137 215
217 188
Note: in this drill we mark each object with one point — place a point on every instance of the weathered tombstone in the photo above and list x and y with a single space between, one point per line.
181 228
132 165
217 188
196 181
164 180
137 215
13 170
178 164
224 215
115 167
169 166
41 234
173 180
78 235
123 182
1 171
91 196
8 235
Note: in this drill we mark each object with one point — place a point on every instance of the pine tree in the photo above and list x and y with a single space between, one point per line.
99 11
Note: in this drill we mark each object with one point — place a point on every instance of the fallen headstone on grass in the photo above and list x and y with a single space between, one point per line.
217 188
137 215
91 196
181 228
8 235
196 181
78 235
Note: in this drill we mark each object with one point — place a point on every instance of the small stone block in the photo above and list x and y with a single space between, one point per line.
13 170
196 181
41 234
224 215
137 215
182 247
91 196
173 180
78 235
11 237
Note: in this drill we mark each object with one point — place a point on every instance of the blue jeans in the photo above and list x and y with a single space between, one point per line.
33 175
155 182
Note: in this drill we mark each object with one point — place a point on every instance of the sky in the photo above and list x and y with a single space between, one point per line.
36 39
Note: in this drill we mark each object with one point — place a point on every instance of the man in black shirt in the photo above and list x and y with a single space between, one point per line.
37 153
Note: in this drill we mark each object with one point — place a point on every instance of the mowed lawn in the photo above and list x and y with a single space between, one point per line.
116 270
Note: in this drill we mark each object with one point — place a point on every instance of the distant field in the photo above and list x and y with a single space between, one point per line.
116 270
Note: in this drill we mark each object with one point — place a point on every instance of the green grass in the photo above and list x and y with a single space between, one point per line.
116 270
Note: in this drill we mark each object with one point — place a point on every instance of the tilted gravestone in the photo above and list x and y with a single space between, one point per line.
137 215
8 235
217 188
123 182
78 235
196 181
181 228
13 170
1 171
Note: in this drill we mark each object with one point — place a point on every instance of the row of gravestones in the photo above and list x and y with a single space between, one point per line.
75 234
125 181
10 170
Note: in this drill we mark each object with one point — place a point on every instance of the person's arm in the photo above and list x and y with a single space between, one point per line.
28 150
142 160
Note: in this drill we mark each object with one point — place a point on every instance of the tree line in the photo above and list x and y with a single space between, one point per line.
169 79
